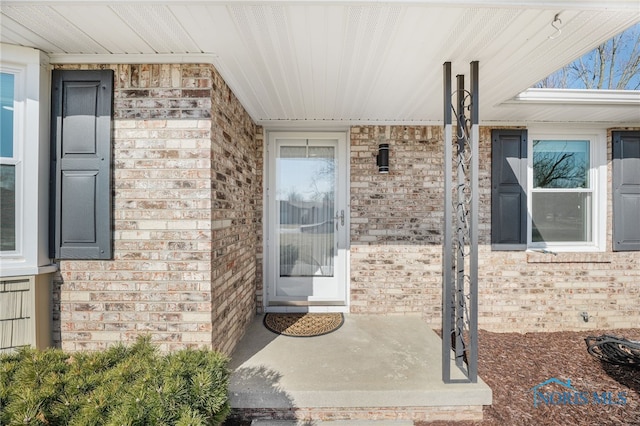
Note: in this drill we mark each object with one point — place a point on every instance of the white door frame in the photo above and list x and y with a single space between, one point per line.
269 214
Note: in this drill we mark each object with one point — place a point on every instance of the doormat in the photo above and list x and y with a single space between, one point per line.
303 324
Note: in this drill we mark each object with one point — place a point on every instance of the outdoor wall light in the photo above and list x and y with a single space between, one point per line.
383 158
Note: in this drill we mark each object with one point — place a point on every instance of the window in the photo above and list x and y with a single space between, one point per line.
24 167
562 193
548 190
10 164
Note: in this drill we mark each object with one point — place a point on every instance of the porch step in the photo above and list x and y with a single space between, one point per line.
372 369
261 422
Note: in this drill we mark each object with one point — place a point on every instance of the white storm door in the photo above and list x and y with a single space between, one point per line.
307 219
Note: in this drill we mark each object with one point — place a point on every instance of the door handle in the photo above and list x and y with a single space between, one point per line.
340 217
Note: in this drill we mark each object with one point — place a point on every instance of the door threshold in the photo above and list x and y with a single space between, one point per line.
301 309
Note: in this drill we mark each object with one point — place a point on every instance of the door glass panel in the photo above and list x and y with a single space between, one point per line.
305 200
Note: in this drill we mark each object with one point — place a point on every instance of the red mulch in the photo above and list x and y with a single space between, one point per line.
512 364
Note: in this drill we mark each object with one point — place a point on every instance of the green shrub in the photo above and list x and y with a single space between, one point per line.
121 386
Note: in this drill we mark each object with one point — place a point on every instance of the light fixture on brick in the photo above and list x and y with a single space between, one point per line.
382 158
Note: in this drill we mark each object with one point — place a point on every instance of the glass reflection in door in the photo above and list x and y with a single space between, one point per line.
305 196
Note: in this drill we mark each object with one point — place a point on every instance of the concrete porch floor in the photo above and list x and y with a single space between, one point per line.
372 368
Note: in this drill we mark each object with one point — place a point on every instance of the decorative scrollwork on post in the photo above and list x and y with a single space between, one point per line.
460 247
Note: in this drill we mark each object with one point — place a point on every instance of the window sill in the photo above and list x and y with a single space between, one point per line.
574 257
26 271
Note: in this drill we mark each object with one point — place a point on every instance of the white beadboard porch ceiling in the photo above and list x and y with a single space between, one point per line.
339 62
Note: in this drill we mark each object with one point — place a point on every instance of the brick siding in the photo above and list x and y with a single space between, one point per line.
396 221
186 214
396 254
304 415
187 267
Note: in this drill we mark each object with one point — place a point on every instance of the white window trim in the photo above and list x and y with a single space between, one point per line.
19 126
31 153
597 175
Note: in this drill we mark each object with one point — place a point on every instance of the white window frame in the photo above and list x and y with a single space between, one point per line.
17 159
597 176
31 157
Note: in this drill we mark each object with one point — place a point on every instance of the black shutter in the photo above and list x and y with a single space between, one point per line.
626 191
81 105
509 189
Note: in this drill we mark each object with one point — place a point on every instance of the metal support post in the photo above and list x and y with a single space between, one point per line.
460 244
475 194
447 249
